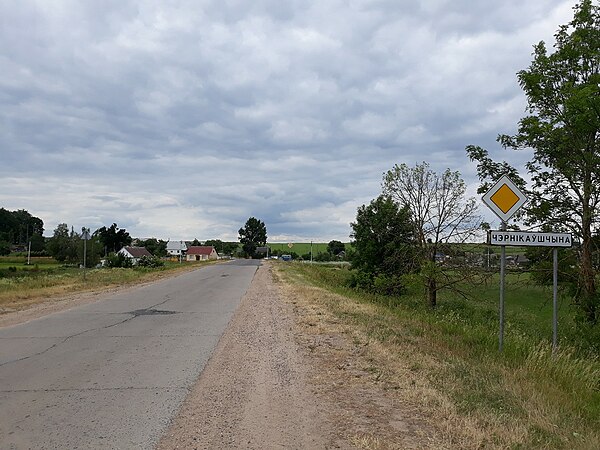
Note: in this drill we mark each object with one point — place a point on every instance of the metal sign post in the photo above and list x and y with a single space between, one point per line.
555 300
529 239
502 278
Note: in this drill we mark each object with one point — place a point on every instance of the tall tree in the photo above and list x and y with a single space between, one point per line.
8 226
335 247
113 238
64 245
223 248
18 227
441 215
563 129
157 247
28 225
252 235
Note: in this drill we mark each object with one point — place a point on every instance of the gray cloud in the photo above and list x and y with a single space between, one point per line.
182 119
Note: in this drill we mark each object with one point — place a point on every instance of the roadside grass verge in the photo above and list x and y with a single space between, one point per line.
20 262
26 288
446 362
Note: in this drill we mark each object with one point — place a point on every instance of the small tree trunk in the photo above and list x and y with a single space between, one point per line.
432 292
589 300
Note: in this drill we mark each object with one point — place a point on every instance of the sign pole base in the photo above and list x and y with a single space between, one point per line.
502 279
555 300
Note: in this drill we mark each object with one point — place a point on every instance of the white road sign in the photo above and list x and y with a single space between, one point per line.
504 198
529 239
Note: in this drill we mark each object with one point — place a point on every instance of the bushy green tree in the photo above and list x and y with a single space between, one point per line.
223 248
385 244
252 235
335 247
64 244
94 251
4 248
113 238
18 227
157 247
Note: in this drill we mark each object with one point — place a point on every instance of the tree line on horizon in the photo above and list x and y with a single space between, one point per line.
19 228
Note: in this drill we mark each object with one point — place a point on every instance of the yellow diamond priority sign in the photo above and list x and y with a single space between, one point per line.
504 198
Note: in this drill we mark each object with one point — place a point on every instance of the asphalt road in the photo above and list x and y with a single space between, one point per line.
112 374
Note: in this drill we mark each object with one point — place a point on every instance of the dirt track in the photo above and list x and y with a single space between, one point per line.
282 378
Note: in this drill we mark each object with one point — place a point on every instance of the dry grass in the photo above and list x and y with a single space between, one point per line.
463 402
21 293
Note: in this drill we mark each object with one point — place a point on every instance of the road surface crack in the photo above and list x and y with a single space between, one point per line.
57 344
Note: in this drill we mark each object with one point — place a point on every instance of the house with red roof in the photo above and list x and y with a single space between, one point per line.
201 253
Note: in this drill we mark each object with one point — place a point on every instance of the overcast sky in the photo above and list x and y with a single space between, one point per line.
181 119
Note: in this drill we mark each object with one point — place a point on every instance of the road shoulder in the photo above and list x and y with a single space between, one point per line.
287 374
253 392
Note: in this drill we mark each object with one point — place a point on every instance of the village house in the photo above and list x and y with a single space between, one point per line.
201 253
176 248
135 253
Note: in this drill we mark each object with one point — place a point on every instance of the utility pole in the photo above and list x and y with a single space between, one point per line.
85 234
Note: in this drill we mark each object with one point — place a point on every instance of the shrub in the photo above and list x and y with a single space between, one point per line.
4 248
150 261
389 285
323 257
118 260
360 280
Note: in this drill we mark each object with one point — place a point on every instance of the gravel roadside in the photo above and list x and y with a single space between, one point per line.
253 393
288 375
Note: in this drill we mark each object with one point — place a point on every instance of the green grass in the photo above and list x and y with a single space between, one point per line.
20 262
553 400
24 288
302 248
494 249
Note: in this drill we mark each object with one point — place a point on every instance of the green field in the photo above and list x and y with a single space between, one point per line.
302 248
20 262
524 397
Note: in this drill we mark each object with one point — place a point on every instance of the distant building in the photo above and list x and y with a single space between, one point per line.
135 253
176 248
201 253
